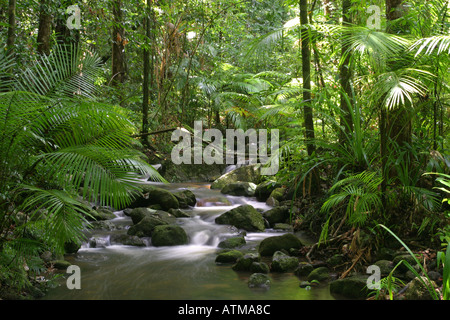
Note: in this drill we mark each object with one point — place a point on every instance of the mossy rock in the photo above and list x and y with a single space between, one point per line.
320 274
277 215
249 173
264 189
281 262
146 226
244 263
230 256
417 290
244 189
259 267
304 269
259 280
231 243
169 235
243 217
351 287
186 198
270 245
155 196
127 240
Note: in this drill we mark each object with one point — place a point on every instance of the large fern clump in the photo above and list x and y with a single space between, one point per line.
59 150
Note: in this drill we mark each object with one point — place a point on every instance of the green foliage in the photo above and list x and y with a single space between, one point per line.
362 196
55 141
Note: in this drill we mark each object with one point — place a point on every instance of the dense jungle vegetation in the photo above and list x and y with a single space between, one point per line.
359 91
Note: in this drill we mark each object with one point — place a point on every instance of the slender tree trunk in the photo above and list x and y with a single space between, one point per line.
398 120
11 26
306 73
148 71
345 78
118 61
307 108
45 28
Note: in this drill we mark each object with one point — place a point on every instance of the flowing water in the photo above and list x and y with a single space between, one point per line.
112 271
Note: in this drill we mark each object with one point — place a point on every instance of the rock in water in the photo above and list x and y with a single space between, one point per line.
169 235
281 262
259 280
243 217
249 173
245 189
156 196
186 198
270 245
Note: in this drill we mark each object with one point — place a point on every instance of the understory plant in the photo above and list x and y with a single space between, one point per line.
60 152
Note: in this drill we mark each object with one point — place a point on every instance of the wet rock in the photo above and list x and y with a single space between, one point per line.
283 226
186 198
259 280
281 262
304 269
145 227
277 215
351 287
270 245
320 274
138 214
155 196
127 240
249 173
259 267
169 235
264 189
179 213
101 214
106 225
231 243
245 189
230 256
244 263
243 217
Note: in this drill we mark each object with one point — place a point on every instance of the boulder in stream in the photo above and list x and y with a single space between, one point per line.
249 173
282 262
169 235
245 189
259 280
152 195
270 245
186 198
243 217
264 189
229 256
231 243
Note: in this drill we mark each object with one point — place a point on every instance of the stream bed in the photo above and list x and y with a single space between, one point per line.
187 272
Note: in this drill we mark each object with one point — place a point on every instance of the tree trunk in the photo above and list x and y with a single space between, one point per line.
345 77
306 73
118 61
307 109
11 26
45 29
398 120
